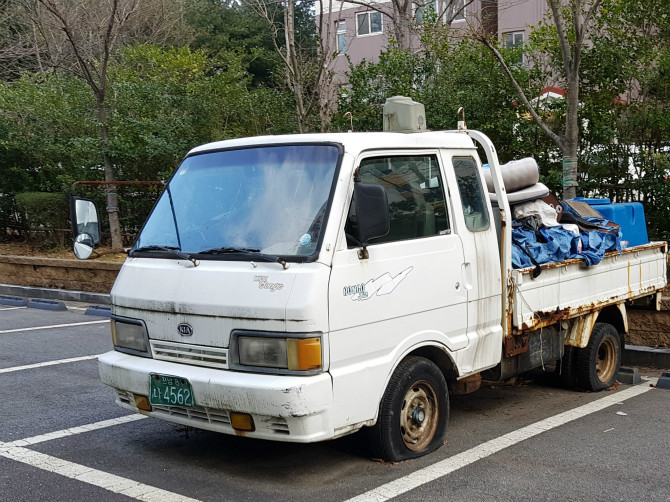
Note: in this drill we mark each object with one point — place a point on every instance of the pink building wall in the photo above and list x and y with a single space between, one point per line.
513 16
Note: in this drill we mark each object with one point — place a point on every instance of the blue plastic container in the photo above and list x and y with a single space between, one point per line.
593 202
629 215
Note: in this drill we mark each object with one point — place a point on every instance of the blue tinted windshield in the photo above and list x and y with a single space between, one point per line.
270 199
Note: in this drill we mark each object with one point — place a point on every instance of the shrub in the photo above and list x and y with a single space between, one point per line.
45 213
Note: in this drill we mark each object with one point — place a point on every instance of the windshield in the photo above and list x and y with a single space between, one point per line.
269 199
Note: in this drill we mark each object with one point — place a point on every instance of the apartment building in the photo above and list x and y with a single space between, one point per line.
363 31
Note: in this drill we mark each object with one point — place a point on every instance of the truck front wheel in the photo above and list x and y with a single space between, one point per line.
413 413
597 364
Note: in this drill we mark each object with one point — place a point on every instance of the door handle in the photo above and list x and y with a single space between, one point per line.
466 272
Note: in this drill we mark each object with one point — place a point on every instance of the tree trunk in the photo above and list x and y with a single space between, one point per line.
570 144
294 70
569 176
402 20
112 198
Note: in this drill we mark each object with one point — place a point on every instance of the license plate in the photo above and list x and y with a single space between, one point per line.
170 390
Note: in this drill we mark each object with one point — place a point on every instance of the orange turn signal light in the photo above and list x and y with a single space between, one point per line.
242 422
304 353
142 402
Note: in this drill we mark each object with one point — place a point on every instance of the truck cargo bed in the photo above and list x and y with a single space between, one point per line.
569 289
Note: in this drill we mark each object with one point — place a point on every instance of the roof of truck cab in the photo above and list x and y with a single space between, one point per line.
353 142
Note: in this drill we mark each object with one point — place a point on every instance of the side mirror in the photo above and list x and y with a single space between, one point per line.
85 226
83 246
372 213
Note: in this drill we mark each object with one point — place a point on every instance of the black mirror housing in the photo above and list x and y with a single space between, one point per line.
84 217
372 212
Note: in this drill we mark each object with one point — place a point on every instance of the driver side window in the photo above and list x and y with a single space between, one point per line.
414 188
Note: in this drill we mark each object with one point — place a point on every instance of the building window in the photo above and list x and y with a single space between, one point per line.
368 23
423 12
456 10
514 40
341 37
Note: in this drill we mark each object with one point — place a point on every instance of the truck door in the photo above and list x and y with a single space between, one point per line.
481 268
409 292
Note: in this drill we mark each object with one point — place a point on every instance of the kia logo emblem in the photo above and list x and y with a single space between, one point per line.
185 329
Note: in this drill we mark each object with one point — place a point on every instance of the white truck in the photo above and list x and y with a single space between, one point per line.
302 287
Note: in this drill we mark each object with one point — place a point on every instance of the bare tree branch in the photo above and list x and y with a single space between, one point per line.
522 95
307 72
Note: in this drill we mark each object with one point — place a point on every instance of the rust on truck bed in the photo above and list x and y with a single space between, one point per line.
547 318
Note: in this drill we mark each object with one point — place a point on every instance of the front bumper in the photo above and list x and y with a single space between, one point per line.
284 408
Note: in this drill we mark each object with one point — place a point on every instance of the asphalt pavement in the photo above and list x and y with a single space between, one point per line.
64 438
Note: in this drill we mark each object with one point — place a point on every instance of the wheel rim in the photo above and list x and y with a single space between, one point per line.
606 360
419 416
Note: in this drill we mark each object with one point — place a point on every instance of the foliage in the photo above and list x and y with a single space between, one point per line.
370 83
46 134
44 212
445 77
223 79
164 102
234 27
10 221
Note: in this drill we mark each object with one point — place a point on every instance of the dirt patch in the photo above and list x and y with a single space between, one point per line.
26 249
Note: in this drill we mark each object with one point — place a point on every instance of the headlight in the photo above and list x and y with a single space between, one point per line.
130 335
280 352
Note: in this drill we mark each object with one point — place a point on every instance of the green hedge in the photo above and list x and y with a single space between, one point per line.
10 221
44 210
46 214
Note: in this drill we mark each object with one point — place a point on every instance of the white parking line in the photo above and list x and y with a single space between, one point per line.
73 431
16 450
47 363
12 308
95 477
36 328
451 464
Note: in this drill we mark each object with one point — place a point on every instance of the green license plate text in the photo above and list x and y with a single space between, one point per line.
170 390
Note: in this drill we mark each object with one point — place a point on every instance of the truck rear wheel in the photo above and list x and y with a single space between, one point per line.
413 413
597 364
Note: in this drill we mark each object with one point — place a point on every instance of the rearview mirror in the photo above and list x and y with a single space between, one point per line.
83 246
372 212
85 226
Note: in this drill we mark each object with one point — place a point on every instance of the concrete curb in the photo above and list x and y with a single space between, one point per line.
635 355
55 294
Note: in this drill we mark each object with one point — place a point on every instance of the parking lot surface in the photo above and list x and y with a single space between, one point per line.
64 438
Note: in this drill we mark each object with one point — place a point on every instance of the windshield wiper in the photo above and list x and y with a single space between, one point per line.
168 249
245 251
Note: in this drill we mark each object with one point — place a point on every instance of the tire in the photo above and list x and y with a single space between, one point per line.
413 412
597 364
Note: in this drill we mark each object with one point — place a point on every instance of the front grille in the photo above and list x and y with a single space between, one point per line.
125 397
185 353
205 415
199 414
277 425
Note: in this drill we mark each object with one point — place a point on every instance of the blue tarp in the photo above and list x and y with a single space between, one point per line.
561 244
